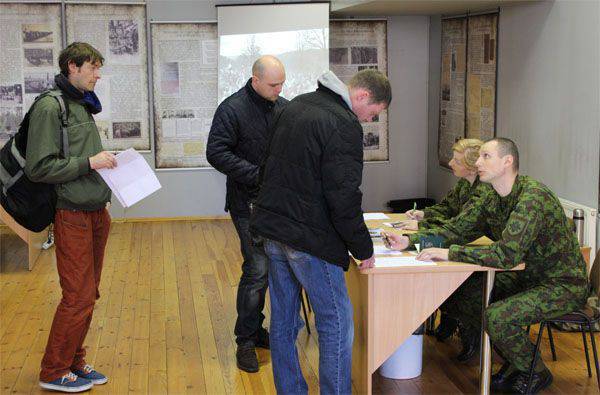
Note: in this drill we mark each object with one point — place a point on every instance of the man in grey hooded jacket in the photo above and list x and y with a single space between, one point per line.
309 212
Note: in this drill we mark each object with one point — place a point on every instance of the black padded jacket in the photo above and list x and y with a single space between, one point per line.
309 197
237 143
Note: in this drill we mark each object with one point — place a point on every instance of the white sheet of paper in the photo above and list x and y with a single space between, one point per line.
132 180
379 249
398 261
371 216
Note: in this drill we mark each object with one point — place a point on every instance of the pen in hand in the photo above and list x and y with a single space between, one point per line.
411 213
386 240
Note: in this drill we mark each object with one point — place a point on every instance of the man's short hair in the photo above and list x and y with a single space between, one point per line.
507 147
376 83
78 53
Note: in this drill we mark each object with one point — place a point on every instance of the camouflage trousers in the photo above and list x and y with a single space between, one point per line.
516 303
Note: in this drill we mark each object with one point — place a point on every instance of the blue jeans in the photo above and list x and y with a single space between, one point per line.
325 284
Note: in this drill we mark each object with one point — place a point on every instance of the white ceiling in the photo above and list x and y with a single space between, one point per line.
415 7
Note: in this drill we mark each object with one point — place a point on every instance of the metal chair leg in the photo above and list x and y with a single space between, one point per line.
591 328
551 339
585 347
304 311
535 356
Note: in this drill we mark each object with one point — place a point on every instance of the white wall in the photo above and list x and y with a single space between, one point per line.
405 176
548 95
202 192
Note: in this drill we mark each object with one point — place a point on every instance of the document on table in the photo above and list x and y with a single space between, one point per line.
398 261
132 180
371 216
379 249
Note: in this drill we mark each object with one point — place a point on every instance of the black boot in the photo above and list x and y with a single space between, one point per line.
539 381
470 345
503 380
446 328
246 358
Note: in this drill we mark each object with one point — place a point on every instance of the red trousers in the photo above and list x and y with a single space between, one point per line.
80 238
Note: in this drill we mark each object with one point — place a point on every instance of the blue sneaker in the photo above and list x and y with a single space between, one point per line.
89 373
68 383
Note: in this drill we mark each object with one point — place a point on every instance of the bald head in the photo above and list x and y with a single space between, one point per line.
265 64
268 76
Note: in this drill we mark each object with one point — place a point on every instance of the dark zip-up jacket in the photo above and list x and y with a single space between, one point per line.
309 197
237 143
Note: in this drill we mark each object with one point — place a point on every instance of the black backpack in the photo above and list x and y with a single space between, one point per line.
31 204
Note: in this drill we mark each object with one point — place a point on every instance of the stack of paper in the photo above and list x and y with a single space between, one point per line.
372 216
379 249
398 261
132 180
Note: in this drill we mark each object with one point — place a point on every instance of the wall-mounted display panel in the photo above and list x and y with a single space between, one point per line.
119 33
355 46
31 39
185 92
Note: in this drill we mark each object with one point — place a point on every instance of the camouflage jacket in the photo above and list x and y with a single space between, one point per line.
529 225
453 203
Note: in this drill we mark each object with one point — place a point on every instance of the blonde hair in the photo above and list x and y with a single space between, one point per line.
470 148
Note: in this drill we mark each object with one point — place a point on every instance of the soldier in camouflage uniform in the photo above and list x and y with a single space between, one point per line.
529 224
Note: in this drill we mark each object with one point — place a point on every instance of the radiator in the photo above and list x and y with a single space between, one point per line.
590 223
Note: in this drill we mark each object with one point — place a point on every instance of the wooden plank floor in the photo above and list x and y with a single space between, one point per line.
164 323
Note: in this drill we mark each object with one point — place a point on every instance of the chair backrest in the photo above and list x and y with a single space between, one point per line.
595 274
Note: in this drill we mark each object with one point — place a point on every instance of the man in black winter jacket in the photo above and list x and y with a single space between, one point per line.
309 212
236 147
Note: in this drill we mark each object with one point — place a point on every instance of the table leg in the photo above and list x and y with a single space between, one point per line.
485 363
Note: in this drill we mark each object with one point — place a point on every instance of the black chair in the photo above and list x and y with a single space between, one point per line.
585 318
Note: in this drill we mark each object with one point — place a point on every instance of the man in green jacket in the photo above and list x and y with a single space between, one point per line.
530 226
82 222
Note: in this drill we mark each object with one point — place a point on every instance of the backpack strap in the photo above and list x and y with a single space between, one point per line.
10 180
16 154
64 116
5 177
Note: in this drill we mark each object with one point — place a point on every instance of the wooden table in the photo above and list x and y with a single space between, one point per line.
391 303
34 240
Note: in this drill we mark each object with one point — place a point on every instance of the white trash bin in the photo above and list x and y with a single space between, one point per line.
406 362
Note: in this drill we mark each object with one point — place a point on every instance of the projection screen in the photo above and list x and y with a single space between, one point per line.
297 34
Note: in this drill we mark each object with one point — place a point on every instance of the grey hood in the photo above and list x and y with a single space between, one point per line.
331 81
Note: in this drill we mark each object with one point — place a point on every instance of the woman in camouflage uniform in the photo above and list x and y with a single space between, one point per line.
464 155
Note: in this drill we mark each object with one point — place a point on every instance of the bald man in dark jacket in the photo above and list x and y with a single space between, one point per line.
236 147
